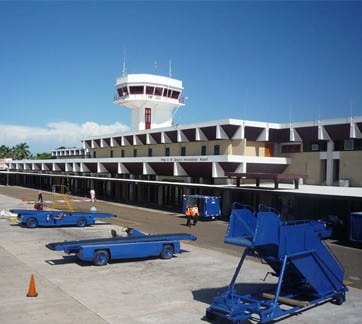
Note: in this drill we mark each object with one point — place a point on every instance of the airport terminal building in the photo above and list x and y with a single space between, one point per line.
183 158
329 152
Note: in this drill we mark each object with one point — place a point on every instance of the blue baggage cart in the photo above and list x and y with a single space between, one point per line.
208 206
133 244
47 218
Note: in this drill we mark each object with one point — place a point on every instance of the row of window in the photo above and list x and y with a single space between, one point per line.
351 144
149 90
167 151
320 146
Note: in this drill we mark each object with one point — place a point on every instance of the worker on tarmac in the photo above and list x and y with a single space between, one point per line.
192 214
39 203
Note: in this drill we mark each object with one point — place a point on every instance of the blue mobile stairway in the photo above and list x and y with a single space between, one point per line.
308 272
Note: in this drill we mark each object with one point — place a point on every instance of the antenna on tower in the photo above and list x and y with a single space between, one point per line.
169 68
155 65
351 107
124 70
319 113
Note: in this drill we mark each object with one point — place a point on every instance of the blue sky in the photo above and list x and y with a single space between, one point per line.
265 61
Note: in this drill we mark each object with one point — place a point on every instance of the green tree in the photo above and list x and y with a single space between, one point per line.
20 151
43 156
4 151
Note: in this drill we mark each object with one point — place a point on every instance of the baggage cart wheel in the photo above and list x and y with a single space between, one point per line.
167 251
210 316
101 257
339 299
32 222
82 222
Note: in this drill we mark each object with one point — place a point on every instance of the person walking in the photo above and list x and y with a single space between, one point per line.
40 197
39 203
93 195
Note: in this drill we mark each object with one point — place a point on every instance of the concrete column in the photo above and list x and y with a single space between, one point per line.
159 195
329 163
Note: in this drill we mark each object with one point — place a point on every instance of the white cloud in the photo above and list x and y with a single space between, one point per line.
55 134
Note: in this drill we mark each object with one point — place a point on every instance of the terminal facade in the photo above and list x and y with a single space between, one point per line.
159 154
328 152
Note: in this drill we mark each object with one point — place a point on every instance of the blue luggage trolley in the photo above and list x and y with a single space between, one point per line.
208 206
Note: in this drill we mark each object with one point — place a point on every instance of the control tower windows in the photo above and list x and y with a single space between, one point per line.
175 94
136 89
122 91
167 92
149 90
158 91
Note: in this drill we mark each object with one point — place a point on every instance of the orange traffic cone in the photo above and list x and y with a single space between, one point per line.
32 290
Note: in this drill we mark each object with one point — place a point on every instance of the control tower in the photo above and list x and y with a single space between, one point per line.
152 99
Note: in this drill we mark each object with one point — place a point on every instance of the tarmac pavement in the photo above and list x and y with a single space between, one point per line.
144 291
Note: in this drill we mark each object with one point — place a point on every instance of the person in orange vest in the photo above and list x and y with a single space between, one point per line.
192 214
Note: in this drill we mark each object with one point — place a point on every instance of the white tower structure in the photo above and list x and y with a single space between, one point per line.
152 99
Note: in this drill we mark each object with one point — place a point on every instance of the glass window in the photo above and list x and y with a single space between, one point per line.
183 150
175 94
122 153
291 148
135 152
357 144
125 91
320 146
167 151
348 144
217 149
149 90
136 89
167 92
158 91
203 150
149 152
94 154
111 153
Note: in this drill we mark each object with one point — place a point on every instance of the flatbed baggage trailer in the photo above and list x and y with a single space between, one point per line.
34 218
134 244
308 272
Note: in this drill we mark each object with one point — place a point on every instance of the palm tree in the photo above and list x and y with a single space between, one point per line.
21 151
4 151
43 156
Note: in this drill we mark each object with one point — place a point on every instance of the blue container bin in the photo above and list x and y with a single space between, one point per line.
356 227
208 206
